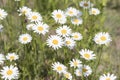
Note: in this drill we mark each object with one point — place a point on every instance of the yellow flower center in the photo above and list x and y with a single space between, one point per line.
40 28
103 38
93 11
68 42
55 42
12 57
34 17
87 55
25 39
75 63
9 72
107 78
59 68
85 4
76 20
63 31
0 14
84 70
70 12
24 12
75 36
58 15
67 75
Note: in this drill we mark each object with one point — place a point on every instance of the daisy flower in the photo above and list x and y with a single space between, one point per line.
34 17
76 21
1 27
41 28
102 38
63 31
2 58
94 11
58 67
76 36
24 11
9 72
85 4
67 75
25 38
108 77
3 14
69 42
59 16
87 54
30 26
55 41
78 72
12 56
71 12
86 70
75 63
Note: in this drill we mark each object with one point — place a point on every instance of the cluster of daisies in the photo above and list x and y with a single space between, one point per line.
9 72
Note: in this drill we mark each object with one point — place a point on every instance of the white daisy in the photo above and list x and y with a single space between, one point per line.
30 26
76 21
86 70
2 58
75 63
59 16
9 73
67 75
55 41
1 27
24 11
3 14
34 17
94 11
76 36
41 28
58 67
70 43
78 72
12 56
85 4
25 38
87 54
71 12
108 77
102 38
63 31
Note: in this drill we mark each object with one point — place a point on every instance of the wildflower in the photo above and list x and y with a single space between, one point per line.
3 14
58 67
87 54
12 56
69 42
76 36
78 72
85 4
25 38
102 38
9 72
76 21
2 58
55 41
63 31
67 75
94 11
24 11
75 63
34 17
59 16
30 26
108 76
41 28
71 12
